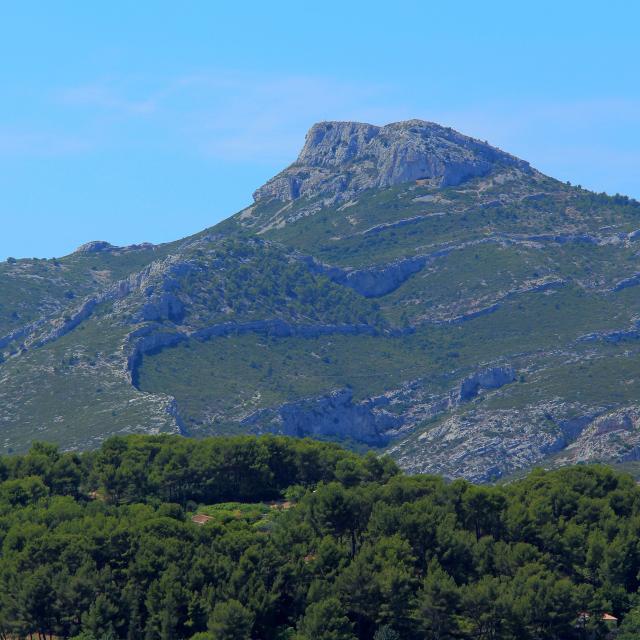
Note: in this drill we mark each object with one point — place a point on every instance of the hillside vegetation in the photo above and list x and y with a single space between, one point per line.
403 288
101 545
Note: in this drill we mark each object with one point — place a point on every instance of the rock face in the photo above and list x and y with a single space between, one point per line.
372 282
341 159
633 281
612 435
370 421
95 246
334 415
102 246
492 378
167 307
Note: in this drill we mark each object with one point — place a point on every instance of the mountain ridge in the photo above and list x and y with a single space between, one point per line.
460 326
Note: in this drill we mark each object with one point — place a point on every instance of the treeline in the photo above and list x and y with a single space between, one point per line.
242 468
100 546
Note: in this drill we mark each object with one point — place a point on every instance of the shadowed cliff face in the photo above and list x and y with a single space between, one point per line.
341 159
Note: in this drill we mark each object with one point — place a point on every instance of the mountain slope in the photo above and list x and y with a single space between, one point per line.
404 287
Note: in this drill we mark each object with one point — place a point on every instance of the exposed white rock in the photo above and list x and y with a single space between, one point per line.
332 415
341 159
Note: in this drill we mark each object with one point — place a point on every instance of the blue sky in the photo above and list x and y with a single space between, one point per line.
149 121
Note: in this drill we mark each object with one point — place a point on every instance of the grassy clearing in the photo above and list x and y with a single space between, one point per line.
259 515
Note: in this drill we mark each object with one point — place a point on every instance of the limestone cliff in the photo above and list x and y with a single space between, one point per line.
341 159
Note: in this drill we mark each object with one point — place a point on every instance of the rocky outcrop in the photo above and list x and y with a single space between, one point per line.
483 444
334 415
491 378
161 283
70 322
479 445
372 282
73 319
341 159
20 333
632 281
95 246
620 421
572 427
377 281
167 307
612 435
371 421
158 281
101 246
614 336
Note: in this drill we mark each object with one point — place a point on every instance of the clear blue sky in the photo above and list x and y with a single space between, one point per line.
147 121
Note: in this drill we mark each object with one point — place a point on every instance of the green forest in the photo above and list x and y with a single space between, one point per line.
167 538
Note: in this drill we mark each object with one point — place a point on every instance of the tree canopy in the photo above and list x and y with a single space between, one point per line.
101 545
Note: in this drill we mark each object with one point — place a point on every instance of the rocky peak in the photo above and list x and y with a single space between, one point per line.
101 246
340 159
95 246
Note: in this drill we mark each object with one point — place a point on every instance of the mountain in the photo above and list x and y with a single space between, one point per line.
405 287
